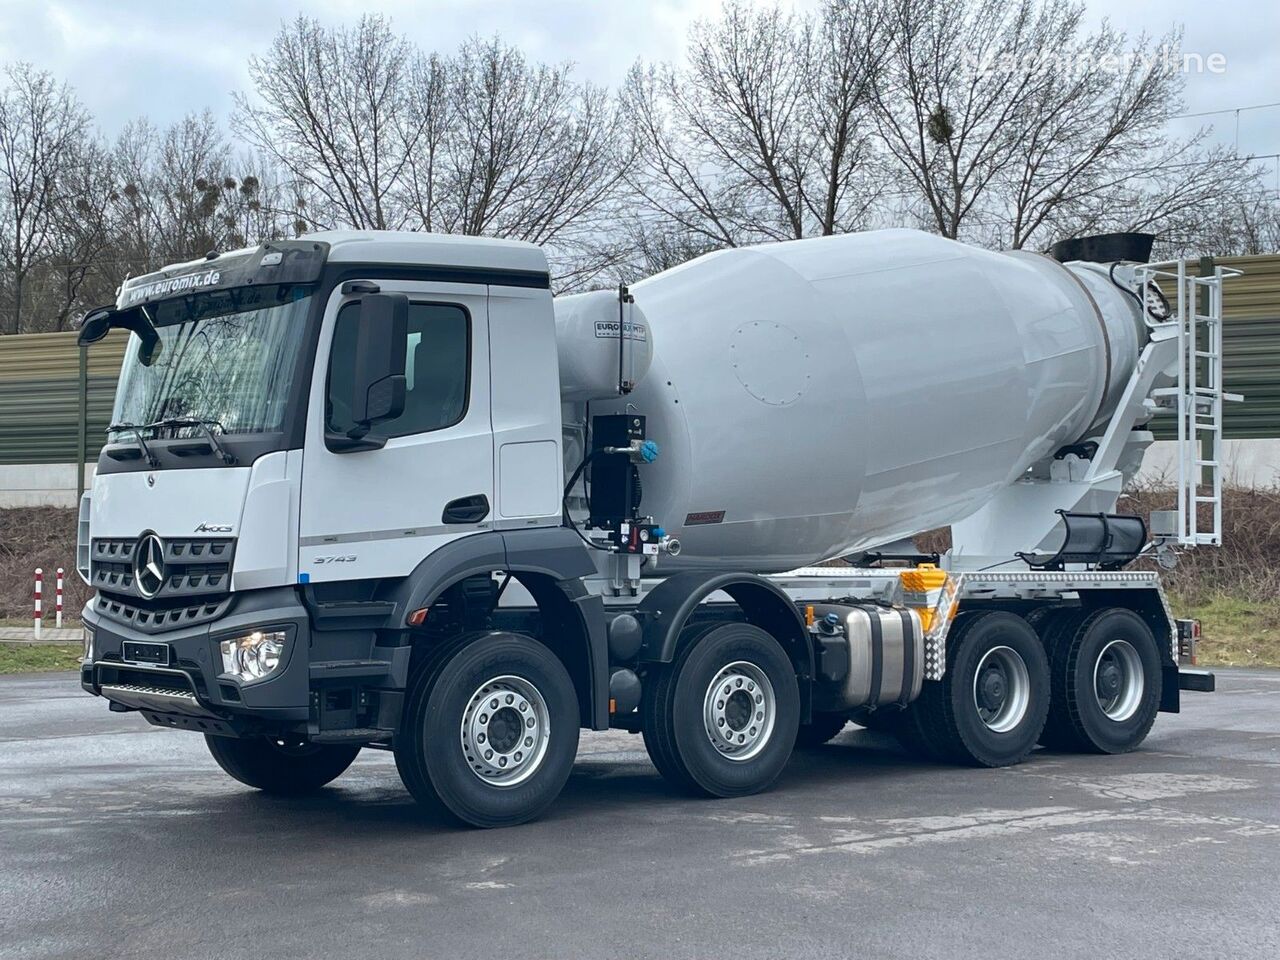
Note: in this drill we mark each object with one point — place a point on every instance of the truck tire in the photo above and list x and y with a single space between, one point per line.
1105 681
823 728
489 731
279 767
1056 627
989 708
721 720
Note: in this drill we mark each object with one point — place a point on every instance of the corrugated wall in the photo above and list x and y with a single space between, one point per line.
40 396
1250 348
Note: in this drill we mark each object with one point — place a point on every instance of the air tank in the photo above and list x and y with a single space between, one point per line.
818 397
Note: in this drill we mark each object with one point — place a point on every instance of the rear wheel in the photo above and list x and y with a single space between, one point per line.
490 730
1055 628
1105 675
722 719
990 707
286 767
823 728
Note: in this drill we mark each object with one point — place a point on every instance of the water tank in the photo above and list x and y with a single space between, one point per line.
817 397
600 342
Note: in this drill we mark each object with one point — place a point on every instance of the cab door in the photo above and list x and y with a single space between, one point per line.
378 513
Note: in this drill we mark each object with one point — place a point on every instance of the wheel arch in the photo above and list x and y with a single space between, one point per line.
667 609
550 563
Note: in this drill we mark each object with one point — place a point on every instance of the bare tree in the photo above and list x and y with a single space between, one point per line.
955 96
374 134
84 235
179 196
191 176
40 124
1244 225
261 206
428 100
530 154
850 50
1012 125
331 107
761 135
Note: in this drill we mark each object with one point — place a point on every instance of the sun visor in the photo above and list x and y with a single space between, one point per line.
276 262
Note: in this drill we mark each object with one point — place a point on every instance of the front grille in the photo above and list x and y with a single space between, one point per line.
155 620
195 589
193 567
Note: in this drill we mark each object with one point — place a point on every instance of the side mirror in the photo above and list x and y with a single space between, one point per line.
99 322
95 325
378 386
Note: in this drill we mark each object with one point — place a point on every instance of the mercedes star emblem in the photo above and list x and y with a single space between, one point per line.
148 565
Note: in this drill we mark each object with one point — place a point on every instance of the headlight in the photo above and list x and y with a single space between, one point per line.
87 638
254 656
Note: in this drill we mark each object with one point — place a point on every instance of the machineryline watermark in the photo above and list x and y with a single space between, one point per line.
1078 63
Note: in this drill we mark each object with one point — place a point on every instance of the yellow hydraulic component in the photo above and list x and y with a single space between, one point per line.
921 590
923 578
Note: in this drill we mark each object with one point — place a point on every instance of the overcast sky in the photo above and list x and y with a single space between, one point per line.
126 58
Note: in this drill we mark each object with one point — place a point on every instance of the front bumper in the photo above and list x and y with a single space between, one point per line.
315 692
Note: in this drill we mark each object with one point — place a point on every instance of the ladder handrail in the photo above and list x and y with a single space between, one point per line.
1198 393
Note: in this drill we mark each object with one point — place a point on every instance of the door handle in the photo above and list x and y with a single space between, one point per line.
471 509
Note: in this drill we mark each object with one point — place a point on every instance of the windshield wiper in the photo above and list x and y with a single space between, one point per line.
206 424
136 429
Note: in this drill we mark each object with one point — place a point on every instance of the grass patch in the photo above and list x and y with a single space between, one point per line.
33 658
1235 632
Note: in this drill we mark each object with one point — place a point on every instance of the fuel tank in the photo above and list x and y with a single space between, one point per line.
818 397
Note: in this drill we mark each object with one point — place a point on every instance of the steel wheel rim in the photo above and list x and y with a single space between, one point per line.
506 730
739 711
1002 689
1118 680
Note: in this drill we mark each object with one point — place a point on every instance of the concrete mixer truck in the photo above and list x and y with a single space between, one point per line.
383 490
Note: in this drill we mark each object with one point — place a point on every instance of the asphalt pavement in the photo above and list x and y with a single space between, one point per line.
118 839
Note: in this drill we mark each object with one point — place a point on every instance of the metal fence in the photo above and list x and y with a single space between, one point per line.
55 399
1251 346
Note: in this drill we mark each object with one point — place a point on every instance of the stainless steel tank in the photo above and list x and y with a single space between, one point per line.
818 397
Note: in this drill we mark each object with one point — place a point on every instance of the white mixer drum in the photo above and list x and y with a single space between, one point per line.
818 397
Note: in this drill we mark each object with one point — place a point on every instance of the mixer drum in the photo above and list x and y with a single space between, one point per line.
818 397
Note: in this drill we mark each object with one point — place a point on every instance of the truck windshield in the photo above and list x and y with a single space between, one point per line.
226 357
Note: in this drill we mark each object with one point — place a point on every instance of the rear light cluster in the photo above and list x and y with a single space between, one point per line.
1188 639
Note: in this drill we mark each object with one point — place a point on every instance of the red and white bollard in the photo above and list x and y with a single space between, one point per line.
57 602
39 588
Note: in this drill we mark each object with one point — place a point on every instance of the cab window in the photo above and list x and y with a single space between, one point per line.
437 370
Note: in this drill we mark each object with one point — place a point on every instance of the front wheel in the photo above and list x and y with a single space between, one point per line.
285 767
490 731
722 719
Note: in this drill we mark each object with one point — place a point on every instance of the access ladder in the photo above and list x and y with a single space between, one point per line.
1198 397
